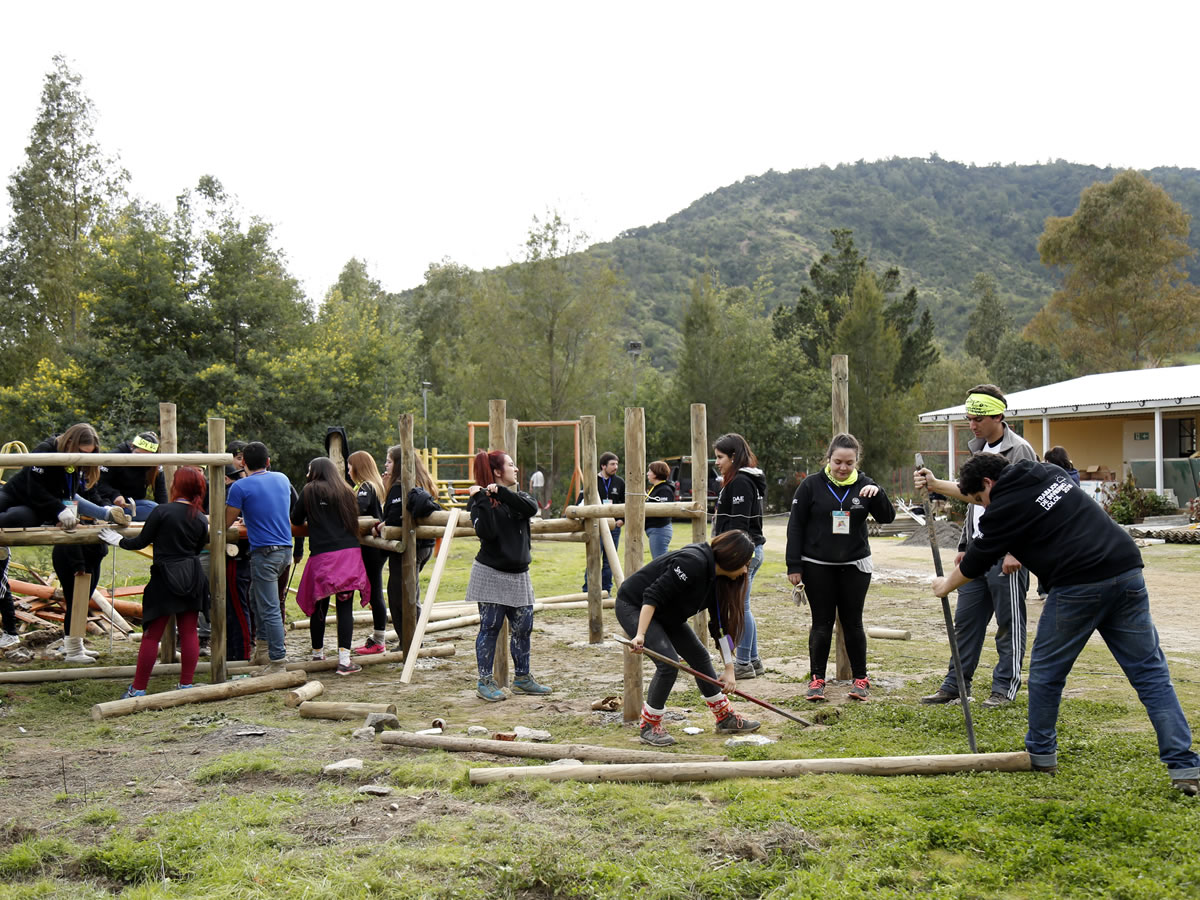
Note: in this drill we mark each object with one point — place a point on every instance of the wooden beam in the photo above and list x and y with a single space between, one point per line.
430 596
317 709
840 402
946 764
81 593
591 497
699 432
621 510
409 578
201 693
529 750
306 691
15 460
216 553
635 536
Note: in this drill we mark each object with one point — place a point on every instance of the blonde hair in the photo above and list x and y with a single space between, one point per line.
363 468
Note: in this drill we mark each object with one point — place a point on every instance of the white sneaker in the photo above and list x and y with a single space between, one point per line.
8 640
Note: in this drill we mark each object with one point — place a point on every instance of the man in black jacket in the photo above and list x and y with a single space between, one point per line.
1094 573
612 491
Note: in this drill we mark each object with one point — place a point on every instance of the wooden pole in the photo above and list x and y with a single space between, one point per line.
536 751
945 764
614 561
316 709
430 596
100 602
168 442
408 559
593 547
511 441
306 691
14 460
635 537
216 553
497 436
700 495
201 693
889 634
840 379
81 592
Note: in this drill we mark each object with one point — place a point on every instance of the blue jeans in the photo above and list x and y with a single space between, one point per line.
1119 609
144 508
660 540
978 600
90 509
747 648
266 565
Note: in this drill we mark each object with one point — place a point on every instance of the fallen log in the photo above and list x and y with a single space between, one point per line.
945 764
316 709
537 751
306 691
202 693
889 634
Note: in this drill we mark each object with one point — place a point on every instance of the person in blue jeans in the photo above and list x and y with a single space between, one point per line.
658 528
1093 571
263 500
612 491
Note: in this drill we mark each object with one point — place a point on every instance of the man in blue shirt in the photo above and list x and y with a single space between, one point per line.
263 500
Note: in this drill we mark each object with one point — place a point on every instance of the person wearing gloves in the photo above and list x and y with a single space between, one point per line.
499 580
654 605
127 486
739 508
369 493
658 528
178 584
1093 569
828 554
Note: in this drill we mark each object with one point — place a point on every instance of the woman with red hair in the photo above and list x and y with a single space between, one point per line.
499 580
178 583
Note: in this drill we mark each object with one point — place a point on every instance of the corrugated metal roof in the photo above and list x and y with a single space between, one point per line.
1176 387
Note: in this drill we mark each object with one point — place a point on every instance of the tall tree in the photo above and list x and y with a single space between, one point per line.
1020 364
58 195
990 320
1125 300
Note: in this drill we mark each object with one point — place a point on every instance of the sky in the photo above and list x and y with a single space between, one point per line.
404 134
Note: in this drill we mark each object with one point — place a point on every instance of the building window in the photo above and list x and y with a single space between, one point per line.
1187 437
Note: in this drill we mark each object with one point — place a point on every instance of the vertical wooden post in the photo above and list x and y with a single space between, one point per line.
81 594
510 440
408 560
591 529
216 553
635 536
700 494
497 440
839 365
337 454
168 442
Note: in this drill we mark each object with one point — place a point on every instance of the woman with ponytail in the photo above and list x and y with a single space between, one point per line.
178 583
654 605
499 580
828 554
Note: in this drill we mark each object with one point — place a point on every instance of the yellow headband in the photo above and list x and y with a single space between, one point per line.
142 444
984 405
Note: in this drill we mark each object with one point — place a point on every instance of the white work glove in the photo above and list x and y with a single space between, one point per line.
67 518
110 537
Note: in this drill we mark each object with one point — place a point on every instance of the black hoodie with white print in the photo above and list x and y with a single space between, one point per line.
740 505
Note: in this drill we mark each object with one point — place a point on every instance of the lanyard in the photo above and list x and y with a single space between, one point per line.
608 487
842 499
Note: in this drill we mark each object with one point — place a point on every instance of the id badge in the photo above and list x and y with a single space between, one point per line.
841 522
606 502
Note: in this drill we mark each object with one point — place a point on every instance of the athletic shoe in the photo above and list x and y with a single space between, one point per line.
861 690
655 735
759 669
350 668
8 640
318 656
527 684
1189 787
996 700
130 693
184 687
941 695
370 647
816 690
742 671
116 515
736 724
488 690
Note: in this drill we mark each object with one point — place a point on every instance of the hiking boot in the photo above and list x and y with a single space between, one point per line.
527 684
350 668
1045 770
736 724
261 655
9 640
996 700
816 690
372 646
742 671
941 695
273 667
655 735
116 515
759 669
205 647
487 689
1189 787
130 693
861 689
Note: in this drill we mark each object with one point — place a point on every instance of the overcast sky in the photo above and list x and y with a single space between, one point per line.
403 134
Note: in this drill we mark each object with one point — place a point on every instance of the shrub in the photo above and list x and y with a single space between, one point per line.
1127 503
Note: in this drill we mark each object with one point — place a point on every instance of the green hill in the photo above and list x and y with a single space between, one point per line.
939 222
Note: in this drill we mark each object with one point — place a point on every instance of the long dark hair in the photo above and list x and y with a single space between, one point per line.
732 550
327 485
735 447
188 484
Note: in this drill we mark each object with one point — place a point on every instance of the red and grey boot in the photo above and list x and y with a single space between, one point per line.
652 729
728 721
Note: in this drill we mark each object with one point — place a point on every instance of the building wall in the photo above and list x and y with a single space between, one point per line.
1094 442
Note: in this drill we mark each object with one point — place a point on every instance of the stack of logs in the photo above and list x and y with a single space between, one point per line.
42 605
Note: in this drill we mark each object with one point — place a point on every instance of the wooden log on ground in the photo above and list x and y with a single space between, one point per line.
537 751
430 597
889 634
306 691
946 764
201 693
100 602
317 709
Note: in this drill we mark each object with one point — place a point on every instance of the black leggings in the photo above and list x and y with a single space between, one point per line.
666 640
345 621
373 560
70 559
8 613
836 591
395 585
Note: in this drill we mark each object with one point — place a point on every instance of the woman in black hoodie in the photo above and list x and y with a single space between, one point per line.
499 580
827 551
740 508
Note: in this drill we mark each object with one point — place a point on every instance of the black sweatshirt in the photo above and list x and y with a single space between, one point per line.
810 525
419 501
740 505
130 482
326 530
663 492
368 503
503 529
45 488
1059 533
678 585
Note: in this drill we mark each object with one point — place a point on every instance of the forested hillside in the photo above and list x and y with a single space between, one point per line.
939 222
